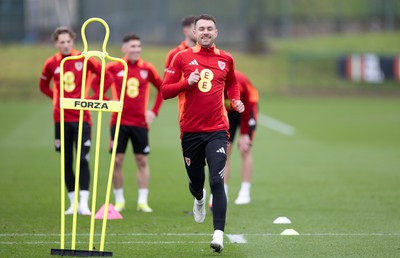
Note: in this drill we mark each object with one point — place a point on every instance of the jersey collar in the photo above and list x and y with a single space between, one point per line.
139 62
74 52
182 45
199 48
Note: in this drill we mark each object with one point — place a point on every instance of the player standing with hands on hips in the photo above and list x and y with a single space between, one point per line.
199 75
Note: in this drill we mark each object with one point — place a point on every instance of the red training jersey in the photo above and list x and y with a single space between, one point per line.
137 93
72 83
201 105
173 52
249 97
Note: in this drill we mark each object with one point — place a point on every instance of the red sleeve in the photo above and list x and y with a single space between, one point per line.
45 79
157 82
172 85
169 57
249 97
249 114
231 85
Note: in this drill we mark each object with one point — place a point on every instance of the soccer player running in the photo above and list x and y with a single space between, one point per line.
135 118
199 75
247 123
63 38
190 41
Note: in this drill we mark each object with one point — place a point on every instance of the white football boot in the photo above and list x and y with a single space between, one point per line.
199 208
217 243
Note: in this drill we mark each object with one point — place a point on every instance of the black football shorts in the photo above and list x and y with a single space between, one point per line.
138 136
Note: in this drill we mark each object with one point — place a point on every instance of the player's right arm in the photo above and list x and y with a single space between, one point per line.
173 85
45 78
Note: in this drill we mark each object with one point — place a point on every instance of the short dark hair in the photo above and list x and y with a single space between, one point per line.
129 37
205 17
187 21
62 30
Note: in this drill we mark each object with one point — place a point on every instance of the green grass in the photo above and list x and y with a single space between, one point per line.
336 178
291 63
311 62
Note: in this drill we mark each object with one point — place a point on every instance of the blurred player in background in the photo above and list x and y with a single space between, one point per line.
190 41
135 118
63 38
199 75
246 121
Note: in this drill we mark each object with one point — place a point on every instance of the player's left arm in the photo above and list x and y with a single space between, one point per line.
248 120
250 100
155 79
232 88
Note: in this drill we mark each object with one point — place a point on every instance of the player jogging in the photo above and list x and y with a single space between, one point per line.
135 119
199 75
63 38
247 123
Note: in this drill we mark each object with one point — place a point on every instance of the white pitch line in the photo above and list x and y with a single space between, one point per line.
195 234
238 239
108 242
98 234
276 125
234 238
330 234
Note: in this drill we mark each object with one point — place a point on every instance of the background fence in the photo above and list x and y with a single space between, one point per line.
240 21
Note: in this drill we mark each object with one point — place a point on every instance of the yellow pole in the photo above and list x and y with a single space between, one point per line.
62 145
102 56
114 149
62 142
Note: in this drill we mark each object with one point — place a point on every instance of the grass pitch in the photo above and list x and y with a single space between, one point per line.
336 179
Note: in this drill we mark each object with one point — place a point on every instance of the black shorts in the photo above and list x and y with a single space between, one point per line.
138 136
71 134
234 123
197 146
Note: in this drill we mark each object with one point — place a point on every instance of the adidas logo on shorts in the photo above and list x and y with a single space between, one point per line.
221 150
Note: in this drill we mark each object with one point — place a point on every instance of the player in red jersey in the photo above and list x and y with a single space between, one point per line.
190 40
63 38
135 118
199 75
247 123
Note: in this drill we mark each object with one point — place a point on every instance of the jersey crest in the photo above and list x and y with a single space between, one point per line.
187 160
78 66
144 74
221 65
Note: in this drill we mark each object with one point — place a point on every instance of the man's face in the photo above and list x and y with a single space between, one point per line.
64 44
132 49
188 32
205 32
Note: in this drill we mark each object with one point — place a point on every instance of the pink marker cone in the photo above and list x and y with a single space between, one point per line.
112 213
